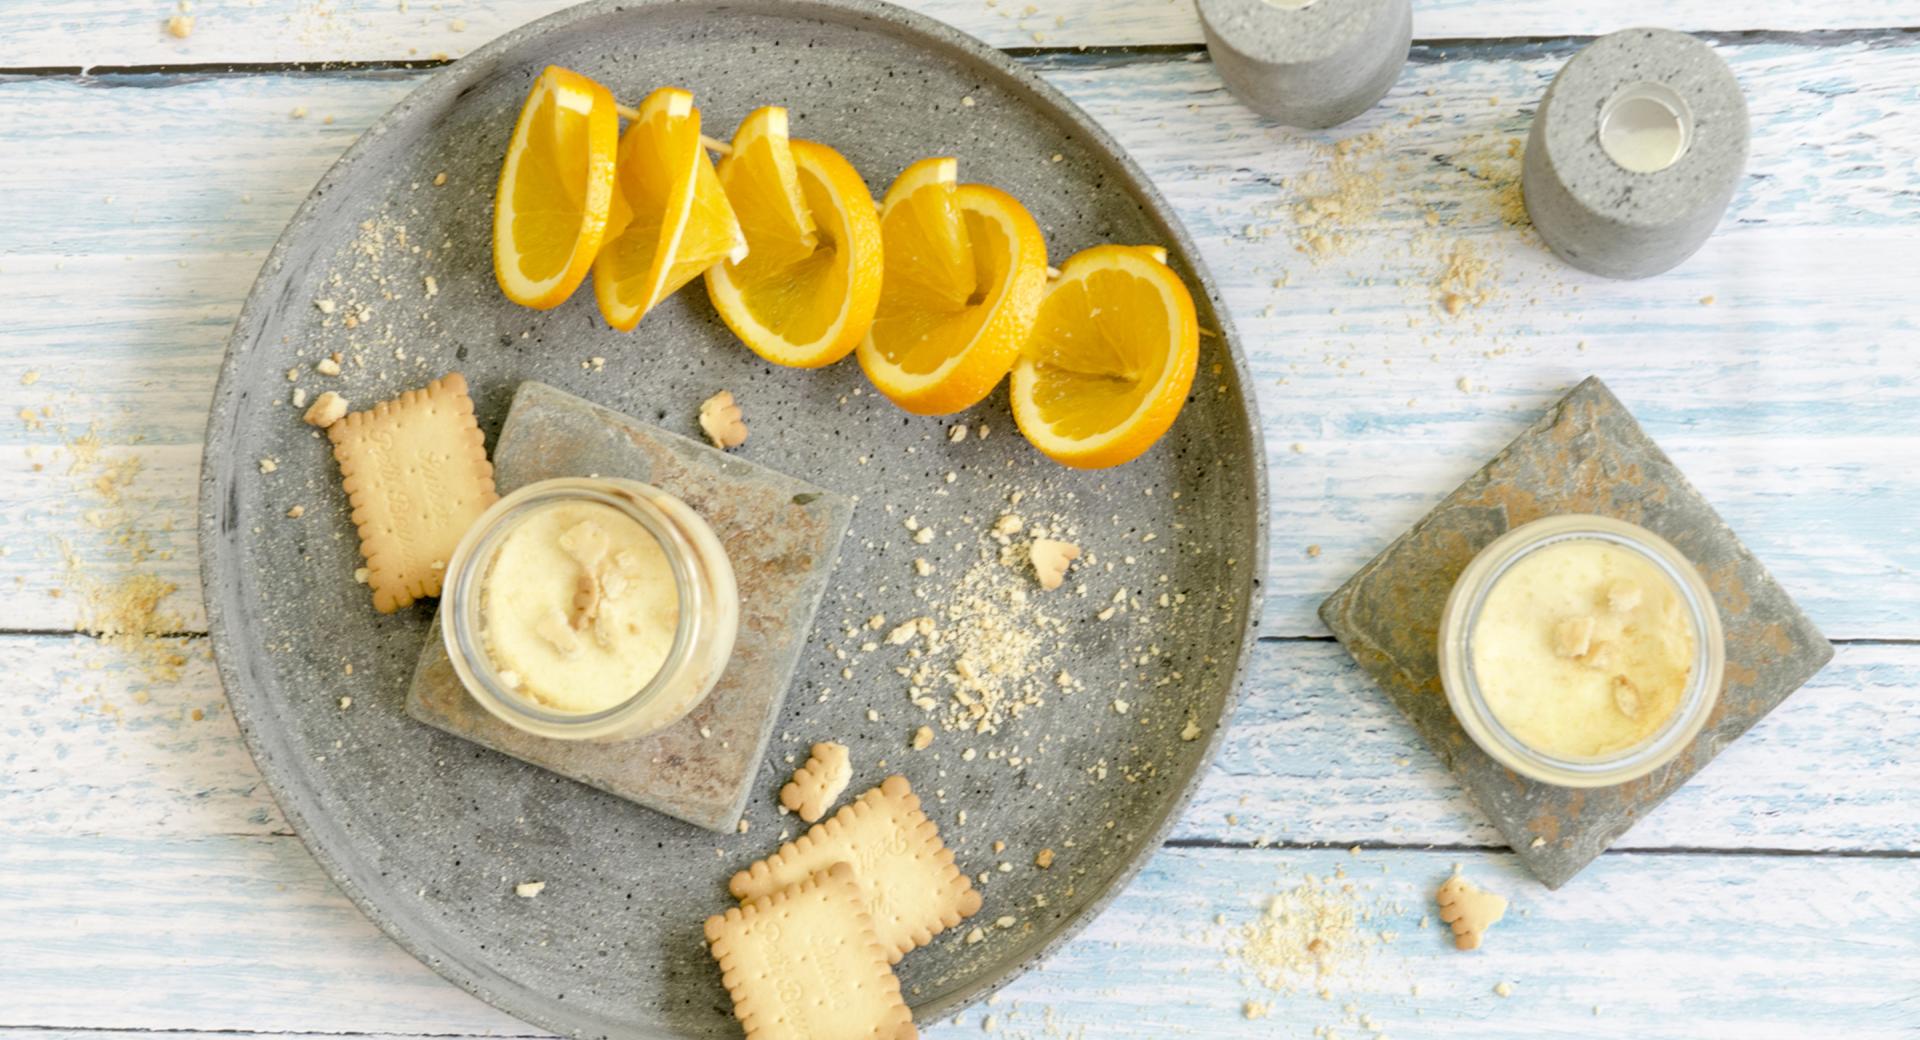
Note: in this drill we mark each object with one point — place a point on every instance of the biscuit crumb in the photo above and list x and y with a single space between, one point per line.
1503 989
1573 637
1191 731
268 465
439 179
1043 859
923 738
1050 559
180 26
1622 596
1626 696
906 631
529 889
296 512
328 408
327 366
720 419
957 434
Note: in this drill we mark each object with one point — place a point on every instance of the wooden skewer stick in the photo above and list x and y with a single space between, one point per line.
629 113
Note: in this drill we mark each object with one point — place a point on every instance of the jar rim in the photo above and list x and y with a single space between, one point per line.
1469 704
463 628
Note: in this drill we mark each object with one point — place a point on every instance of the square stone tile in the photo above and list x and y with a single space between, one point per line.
782 536
1586 455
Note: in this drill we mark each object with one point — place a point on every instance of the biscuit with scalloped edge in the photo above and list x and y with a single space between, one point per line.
803 964
912 889
818 784
1469 910
416 473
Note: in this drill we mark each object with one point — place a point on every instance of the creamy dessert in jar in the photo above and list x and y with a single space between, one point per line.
590 609
1581 650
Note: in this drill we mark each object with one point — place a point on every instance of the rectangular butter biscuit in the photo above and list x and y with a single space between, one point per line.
416 473
803 964
912 889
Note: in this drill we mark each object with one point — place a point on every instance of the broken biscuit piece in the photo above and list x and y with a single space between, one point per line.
328 408
820 782
720 420
1050 560
1623 596
1469 910
1572 636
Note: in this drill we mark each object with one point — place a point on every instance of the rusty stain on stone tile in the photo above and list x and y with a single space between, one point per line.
1586 455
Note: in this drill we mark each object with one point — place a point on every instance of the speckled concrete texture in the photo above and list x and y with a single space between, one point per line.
781 535
428 833
1586 455
1611 221
1317 66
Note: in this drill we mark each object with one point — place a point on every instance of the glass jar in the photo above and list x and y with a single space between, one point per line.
1460 621
703 627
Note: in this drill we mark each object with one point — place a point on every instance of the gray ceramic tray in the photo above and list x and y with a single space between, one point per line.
427 833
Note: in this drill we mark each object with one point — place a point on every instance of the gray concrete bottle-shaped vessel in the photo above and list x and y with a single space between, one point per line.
1635 152
1308 63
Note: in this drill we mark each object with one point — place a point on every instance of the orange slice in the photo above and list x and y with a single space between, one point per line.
806 293
670 218
550 209
965 269
1111 358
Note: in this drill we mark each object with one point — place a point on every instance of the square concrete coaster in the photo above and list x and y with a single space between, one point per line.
1587 455
782 536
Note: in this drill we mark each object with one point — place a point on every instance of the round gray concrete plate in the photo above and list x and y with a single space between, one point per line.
429 834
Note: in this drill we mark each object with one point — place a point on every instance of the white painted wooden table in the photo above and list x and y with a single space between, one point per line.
147 882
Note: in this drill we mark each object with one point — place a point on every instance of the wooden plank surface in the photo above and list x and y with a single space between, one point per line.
133 32
1367 421
1317 756
236 933
147 881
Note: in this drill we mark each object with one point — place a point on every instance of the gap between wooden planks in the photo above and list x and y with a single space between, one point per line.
83 33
